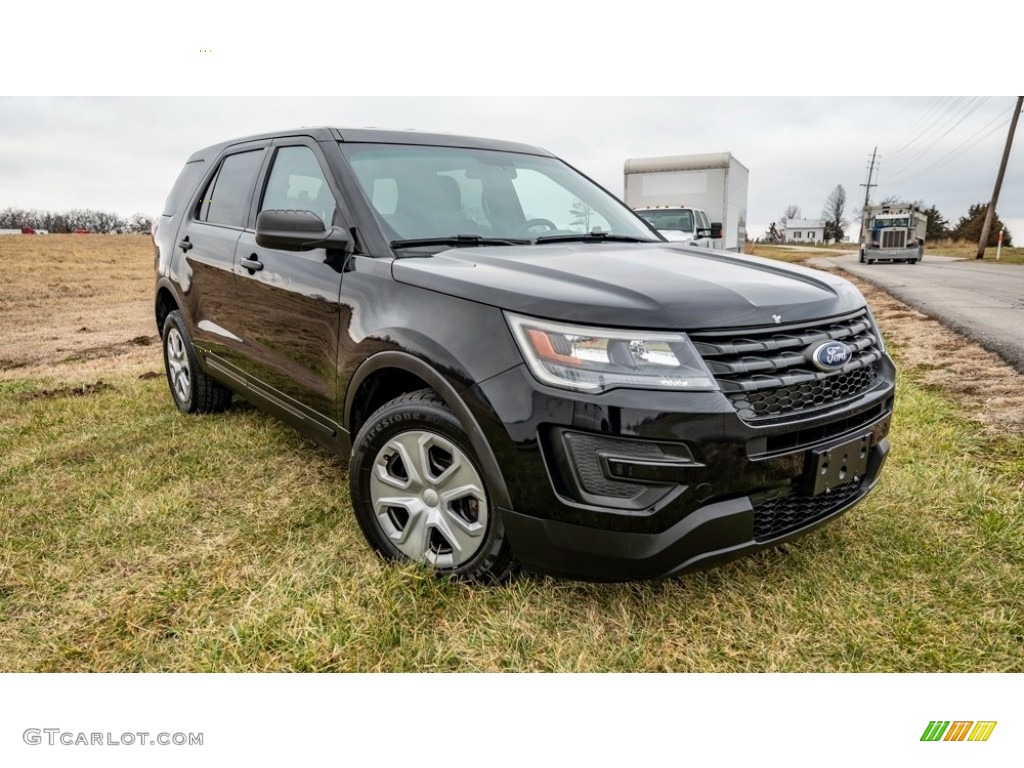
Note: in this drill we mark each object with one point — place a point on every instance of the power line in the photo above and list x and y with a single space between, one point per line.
938 120
957 151
907 133
965 112
915 135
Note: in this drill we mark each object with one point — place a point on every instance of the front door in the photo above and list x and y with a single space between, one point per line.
288 301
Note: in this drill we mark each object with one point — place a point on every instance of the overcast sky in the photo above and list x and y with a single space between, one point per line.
530 71
123 153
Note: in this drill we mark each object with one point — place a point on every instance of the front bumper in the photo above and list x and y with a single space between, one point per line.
710 535
637 484
893 254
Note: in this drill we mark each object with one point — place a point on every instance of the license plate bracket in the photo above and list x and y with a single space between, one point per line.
827 468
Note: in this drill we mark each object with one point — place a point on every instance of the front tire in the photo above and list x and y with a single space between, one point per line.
419 494
192 390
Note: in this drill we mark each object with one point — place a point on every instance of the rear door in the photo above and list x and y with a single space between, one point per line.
288 301
208 236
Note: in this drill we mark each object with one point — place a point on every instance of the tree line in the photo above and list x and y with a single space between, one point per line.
101 222
967 229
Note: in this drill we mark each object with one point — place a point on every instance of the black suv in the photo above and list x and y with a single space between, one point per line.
518 368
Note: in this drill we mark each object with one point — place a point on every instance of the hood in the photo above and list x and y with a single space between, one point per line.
642 285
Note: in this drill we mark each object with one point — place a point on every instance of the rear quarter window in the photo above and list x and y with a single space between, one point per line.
183 187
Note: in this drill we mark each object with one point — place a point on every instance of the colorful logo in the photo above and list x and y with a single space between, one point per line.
958 730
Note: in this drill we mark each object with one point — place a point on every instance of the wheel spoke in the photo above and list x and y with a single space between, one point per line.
397 465
471 499
462 475
463 536
407 537
442 449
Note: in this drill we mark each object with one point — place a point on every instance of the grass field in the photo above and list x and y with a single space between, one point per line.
970 251
135 538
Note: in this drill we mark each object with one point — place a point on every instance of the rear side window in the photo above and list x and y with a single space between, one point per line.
183 187
226 200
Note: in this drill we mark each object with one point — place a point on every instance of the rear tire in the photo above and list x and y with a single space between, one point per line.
192 390
419 494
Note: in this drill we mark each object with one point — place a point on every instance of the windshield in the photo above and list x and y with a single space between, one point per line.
675 219
891 222
429 192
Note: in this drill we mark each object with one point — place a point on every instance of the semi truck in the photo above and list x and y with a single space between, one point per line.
697 199
892 232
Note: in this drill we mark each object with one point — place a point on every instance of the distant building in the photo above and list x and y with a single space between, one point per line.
804 231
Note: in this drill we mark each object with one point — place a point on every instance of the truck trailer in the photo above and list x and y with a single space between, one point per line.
678 189
893 232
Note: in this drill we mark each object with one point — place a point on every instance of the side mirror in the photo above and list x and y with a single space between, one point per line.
298 231
716 230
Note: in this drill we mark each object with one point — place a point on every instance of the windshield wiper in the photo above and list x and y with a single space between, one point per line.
458 241
591 237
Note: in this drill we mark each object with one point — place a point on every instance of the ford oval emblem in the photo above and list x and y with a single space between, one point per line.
831 356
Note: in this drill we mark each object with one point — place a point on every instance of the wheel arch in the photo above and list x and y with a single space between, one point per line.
166 302
391 373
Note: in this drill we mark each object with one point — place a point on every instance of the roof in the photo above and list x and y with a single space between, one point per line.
378 136
680 162
805 224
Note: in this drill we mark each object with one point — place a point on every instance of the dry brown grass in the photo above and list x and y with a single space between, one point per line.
965 250
984 384
70 305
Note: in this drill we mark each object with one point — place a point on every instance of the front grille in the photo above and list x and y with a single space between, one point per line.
766 372
811 394
780 516
894 238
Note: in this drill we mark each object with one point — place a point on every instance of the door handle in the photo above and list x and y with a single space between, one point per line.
185 245
252 263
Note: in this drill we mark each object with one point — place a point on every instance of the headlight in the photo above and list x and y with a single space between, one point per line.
598 359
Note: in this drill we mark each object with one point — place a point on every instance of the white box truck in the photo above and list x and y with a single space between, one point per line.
691 198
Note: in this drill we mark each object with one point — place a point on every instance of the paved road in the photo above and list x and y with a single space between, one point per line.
982 300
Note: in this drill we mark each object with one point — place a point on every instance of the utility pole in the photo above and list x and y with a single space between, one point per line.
869 185
867 189
987 226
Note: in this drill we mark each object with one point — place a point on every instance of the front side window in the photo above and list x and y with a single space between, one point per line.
436 192
297 183
226 200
